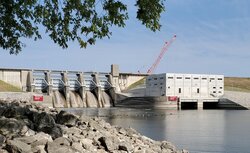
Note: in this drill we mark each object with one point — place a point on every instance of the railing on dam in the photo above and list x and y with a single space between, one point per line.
89 82
104 81
73 88
58 80
39 80
73 81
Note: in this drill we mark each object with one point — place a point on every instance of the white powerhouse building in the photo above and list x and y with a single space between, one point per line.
185 86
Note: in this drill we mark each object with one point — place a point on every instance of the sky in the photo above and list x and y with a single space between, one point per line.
213 37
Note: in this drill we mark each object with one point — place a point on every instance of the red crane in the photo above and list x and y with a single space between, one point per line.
163 51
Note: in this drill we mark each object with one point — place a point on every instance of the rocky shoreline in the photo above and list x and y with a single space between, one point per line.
32 128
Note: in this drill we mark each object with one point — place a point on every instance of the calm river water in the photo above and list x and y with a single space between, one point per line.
222 131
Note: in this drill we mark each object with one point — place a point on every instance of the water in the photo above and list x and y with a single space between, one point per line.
75 100
91 100
222 131
59 99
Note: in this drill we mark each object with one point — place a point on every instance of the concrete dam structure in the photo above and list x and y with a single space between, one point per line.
68 89
75 89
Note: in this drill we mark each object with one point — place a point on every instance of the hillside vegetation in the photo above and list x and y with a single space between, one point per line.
5 87
237 84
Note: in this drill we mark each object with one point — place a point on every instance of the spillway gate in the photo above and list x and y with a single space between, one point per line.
74 89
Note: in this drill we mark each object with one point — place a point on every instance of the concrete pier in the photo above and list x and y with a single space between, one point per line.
200 105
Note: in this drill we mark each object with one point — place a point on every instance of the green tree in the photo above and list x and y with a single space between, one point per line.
84 21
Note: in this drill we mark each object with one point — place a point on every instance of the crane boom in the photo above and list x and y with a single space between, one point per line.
158 59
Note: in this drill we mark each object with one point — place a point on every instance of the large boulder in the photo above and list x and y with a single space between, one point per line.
87 143
38 149
67 119
41 139
2 139
3 151
16 146
60 146
11 127
55 132
78 146
36 140
2 109
125 146
62 141
108 144
165 145
72 131
43 121
15 112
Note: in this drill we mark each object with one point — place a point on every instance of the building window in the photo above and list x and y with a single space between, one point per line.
187 78
155 78
219 78
179 77
168 87
198 90
179 90
214 87
196 78
170 77
161 78
156 84
221 87
204 78
214 91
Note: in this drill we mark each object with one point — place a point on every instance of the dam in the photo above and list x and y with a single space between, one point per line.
76 89
68 89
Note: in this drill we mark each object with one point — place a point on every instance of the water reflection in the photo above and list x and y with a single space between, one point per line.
195 130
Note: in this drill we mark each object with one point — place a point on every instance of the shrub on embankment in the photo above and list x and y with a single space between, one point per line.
26 128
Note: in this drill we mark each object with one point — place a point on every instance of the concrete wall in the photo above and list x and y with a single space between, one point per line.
16 77
22 78
122 81
127 79
185 85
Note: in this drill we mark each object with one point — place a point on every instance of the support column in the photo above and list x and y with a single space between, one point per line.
25 80
199 104
112 90
48 79
97 90
30 82
179 105
115 77
66 88
82 90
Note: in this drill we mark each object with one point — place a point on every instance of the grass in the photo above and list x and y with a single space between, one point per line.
237 84
5 87
134 85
